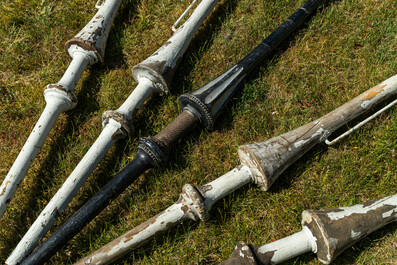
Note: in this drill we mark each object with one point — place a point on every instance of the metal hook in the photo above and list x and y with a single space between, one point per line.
361 123
99 4
174 29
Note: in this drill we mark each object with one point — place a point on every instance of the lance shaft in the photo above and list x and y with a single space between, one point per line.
195 202
86 48
326 232
154 74
201 106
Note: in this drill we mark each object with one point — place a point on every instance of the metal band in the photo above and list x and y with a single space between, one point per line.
86 45
153 149
126 126
199 109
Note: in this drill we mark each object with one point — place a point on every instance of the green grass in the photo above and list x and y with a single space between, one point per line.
346 48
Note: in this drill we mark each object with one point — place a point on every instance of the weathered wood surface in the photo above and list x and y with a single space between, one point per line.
325 232
270 158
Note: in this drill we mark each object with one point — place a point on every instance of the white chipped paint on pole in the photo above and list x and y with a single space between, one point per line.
152 75
289 247
85 49
337 229
194 203
139 235
56 103
274 252
161 65
256 165
70 187
270 158
325 232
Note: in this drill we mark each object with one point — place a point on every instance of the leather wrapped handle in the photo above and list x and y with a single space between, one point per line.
177 129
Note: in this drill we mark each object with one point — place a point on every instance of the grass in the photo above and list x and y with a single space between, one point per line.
346 48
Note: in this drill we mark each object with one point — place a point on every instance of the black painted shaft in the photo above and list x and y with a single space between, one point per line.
143 161
203 104
207 101
92 208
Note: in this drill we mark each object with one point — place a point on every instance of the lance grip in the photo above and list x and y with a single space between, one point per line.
159 146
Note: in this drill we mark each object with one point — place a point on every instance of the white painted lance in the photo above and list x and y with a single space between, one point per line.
325 232
261 163
153 75
86 48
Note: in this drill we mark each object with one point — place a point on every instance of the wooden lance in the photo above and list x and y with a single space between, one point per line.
86 48
153 75
326 232
261 164
201 106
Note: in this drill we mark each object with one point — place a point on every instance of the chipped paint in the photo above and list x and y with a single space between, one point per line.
328 238
269 159
93 37
374 92
45 220
338 229
118 120
5 186
194 203
160 67
355 235
389 213
342 213
379 93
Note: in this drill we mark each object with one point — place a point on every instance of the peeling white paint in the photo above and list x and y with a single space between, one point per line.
170 55
291 246
300 143
60 97
57 101
389 213
355 235
361 208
